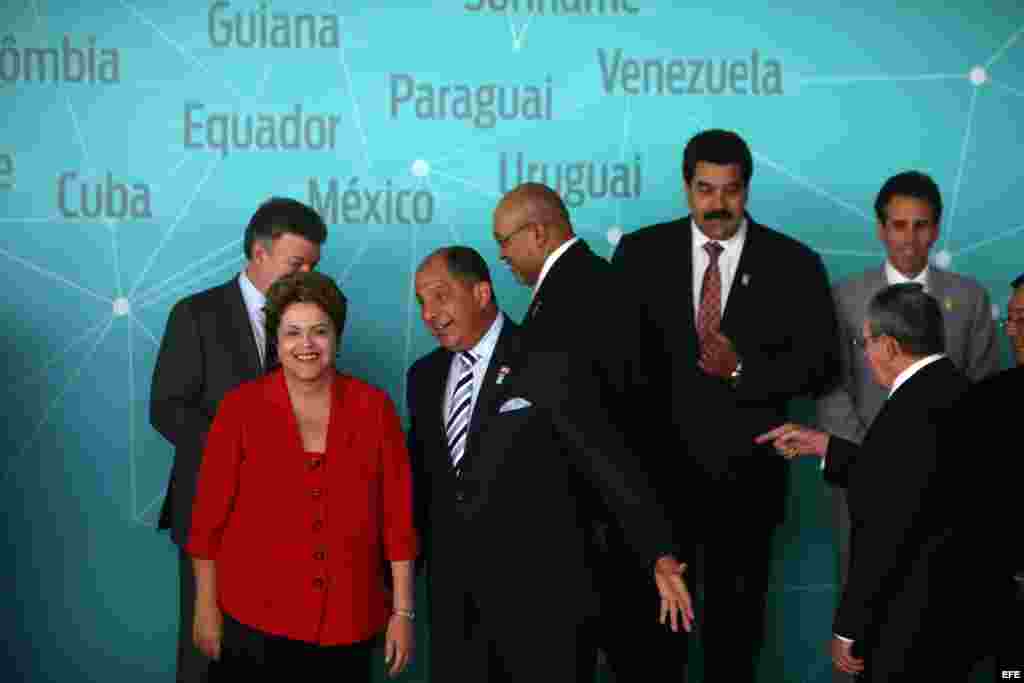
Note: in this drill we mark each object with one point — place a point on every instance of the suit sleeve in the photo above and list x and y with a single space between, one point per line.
982 341
836 410
640 345
809 363
602 455
879 548
839 457
218 479
175 396
399 534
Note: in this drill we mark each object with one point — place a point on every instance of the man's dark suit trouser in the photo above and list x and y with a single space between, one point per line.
732 578
193 665
637 646
497 650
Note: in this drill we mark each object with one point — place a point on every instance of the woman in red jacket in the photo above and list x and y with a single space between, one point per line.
304 495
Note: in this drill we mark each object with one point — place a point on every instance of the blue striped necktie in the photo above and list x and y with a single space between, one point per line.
460 409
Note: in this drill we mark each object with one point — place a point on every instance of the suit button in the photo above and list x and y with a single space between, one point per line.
314 463
320 556
318 525
460 496
318 584
316 493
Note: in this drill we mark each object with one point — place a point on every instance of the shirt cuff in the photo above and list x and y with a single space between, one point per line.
842 638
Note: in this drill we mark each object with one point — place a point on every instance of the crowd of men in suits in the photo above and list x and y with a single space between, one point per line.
627 430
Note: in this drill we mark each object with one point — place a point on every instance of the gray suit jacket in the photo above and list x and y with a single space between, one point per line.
971 344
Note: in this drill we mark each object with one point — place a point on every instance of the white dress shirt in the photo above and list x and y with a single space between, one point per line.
483 351
912 369
254 303
728 261
550 261
895 277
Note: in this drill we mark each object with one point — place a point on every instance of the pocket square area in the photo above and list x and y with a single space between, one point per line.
514 404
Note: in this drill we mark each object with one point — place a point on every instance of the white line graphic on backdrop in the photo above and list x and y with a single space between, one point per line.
184 286
86 162
1006 46
958 183
170 231
812 187
67 385
990 240
145 330
356 117
41 372
133 486
54 276
880 78
182 50
159 287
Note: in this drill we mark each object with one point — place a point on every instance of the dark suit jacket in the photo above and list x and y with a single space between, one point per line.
995 403
208 348
508 532
575 311
780 318
918 591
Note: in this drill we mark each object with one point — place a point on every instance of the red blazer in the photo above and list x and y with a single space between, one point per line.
301 540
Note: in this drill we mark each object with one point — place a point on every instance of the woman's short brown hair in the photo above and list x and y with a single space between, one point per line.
307 288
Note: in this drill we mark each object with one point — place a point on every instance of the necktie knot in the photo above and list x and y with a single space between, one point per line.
714 250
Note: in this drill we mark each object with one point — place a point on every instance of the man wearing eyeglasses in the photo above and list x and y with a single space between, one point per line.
1013 323
573 292
909 211
927 578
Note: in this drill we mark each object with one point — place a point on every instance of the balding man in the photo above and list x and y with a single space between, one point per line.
574 309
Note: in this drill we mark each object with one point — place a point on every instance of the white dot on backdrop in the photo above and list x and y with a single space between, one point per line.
420 168
122 307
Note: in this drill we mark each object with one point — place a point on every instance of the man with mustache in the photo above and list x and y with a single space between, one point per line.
735 320
909 210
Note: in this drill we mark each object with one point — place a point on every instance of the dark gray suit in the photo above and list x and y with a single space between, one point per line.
208 348
851 407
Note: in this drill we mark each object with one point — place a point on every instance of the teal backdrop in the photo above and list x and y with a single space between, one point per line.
138 138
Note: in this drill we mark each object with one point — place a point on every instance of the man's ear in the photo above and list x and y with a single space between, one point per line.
260 250
483 294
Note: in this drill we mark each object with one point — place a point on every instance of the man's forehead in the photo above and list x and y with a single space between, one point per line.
708 173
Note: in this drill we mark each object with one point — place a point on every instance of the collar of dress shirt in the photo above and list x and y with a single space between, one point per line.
731 246
550 261
254 298
895 277
485 347
909 372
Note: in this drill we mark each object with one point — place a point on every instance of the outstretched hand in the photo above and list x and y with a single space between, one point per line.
676 603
